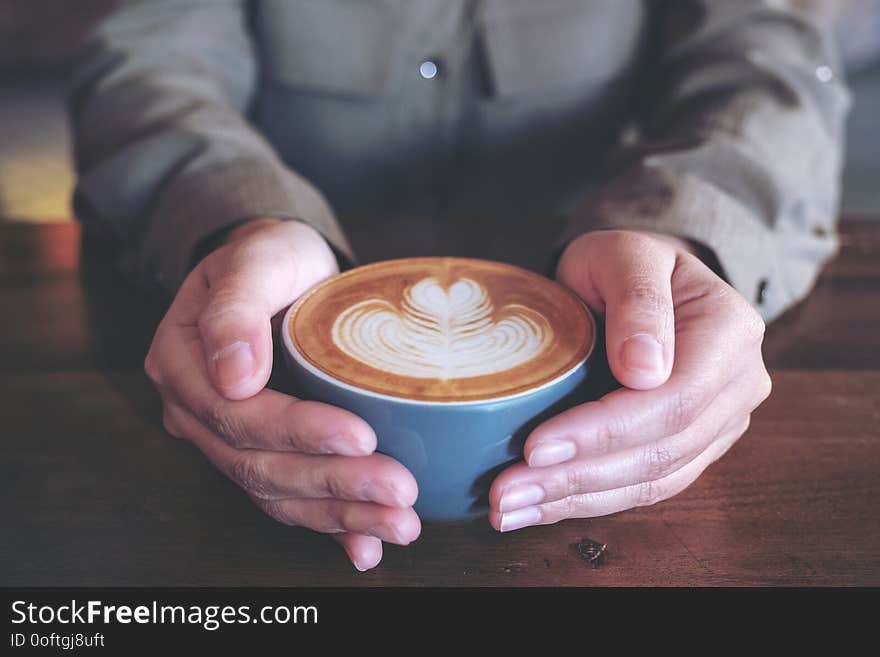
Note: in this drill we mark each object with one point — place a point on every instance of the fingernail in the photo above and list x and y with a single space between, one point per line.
520 518
363 560
234 363
520 495
552 452
387 532
342 444
383 493
643 353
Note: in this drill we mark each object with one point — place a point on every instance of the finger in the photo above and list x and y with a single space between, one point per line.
399 526
259 278
519 485
719 342
633 281
365 552
272 475
269 420
591 505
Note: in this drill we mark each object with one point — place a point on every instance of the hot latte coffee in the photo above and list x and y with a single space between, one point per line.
441 329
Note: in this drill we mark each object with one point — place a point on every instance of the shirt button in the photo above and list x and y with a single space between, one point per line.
761 297
429 69
824 73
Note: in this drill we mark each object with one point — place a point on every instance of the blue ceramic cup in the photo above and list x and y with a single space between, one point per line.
454 449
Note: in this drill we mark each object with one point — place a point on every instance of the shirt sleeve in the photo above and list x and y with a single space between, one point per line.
740 148
164 152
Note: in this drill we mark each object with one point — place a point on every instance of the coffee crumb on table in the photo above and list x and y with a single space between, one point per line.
591 552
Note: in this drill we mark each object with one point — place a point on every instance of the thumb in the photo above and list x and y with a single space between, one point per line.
249 282
632 277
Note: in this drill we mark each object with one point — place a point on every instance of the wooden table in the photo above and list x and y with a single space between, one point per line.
95 493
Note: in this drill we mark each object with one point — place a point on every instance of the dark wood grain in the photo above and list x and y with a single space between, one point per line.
96 493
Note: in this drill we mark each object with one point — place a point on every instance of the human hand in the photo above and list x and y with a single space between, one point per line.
687 349
302 462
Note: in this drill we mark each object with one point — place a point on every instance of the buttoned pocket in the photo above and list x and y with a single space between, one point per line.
346 48
536 48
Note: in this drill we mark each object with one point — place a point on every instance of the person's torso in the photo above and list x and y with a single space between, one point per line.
447 107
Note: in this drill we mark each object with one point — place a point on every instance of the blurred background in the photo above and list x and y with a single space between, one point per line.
39 37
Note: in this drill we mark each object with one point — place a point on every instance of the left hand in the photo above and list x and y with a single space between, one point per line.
687 349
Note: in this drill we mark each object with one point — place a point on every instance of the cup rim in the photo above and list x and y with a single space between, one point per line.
309 367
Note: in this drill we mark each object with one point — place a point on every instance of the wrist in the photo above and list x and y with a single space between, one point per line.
292 231
705 254
680 243
246 228
227 235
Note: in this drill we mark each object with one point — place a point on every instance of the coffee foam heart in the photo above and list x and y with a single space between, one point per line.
440 329
441 332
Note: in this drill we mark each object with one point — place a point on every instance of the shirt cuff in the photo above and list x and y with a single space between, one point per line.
686 206
197 206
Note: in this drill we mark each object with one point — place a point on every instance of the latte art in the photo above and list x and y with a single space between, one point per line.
440 330
443 333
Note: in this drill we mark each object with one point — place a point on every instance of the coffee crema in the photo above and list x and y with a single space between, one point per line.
441 329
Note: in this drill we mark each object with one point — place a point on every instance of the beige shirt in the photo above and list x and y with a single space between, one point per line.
719 121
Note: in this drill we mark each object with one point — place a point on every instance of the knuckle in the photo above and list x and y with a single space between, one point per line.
220 309
249 472
648 493
585 505
753 325
764 387
217 417
575 481
276 510
229 302
603 440
151 368
641 292
744 320
339 517
292 437
723 294
335 488
683 408
605 433
572 506
658 462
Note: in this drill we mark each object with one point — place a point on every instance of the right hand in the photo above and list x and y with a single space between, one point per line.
302 462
